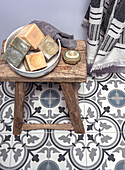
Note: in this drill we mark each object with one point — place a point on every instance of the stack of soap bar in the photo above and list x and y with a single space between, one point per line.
20 45
32 34
49 47
26 65
36 61
16 51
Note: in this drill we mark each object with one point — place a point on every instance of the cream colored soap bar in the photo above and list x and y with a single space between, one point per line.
36 61
32 34
49 47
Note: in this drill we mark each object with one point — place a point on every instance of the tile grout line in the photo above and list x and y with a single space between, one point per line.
49 131
11 151
84 124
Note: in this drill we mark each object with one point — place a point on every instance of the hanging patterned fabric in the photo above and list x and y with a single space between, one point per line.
105 20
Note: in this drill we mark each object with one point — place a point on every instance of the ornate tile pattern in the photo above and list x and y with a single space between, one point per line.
102 107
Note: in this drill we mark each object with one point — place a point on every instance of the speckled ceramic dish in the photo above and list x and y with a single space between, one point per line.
21 69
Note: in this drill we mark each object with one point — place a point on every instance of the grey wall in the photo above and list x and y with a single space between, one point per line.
66 15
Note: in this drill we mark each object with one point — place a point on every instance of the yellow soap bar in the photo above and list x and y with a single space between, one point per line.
36 61
32 34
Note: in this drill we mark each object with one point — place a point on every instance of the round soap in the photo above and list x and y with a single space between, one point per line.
71 57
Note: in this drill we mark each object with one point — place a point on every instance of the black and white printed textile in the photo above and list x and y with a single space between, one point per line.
105 20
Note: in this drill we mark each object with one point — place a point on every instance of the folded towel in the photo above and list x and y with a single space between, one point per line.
48 29
106 35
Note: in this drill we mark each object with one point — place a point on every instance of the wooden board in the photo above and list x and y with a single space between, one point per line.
47 126
62 73
19 107
71 99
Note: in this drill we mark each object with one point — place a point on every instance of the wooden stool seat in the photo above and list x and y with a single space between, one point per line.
67 75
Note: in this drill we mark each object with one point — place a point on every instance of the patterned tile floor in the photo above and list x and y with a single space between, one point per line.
102 106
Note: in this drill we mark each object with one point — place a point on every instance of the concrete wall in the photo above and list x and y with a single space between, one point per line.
66 15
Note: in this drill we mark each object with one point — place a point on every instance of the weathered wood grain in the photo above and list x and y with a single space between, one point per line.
19 107
75 88
62 73
47 126
2 50
73 107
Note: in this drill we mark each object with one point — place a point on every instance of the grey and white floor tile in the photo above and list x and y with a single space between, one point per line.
102 147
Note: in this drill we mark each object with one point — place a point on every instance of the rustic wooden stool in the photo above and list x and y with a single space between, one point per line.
67 75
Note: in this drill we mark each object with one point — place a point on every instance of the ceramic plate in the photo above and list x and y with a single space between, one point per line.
21 69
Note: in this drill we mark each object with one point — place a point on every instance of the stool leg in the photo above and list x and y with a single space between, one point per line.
19 107
73 108
75 87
